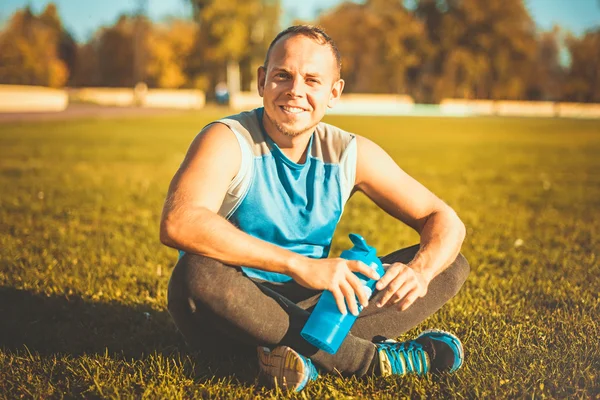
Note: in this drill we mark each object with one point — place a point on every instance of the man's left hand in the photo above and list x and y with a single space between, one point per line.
403 285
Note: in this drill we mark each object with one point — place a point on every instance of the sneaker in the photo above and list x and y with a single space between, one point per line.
445 349
286 368
431 351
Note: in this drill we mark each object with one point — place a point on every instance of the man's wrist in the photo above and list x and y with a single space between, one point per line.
293 264
421 267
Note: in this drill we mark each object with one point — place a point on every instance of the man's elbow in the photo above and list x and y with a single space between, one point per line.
168 232
461 229
176 228
453 222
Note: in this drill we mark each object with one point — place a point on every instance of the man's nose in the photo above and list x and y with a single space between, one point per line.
296 87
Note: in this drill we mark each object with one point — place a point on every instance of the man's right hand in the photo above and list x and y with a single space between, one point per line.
337 276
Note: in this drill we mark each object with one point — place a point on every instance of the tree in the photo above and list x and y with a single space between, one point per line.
115 53
67 48
583 78
169 46
36 50
87 71
545 76
136 50
482 48
230 31
380 42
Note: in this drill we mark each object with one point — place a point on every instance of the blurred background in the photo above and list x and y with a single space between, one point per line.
465 55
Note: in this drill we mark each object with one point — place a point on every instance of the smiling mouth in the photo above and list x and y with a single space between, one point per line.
292 110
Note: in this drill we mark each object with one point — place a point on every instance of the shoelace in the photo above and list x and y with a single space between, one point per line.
313 373
406 357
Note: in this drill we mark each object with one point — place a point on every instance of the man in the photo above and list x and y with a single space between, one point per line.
253 208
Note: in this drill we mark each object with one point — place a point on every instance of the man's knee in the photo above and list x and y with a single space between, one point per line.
199 279
190 278
457 274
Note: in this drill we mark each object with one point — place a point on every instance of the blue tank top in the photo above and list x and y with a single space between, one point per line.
294 206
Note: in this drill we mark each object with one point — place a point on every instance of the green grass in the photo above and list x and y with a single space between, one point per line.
83 276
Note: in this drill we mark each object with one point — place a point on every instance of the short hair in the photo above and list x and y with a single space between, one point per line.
313 32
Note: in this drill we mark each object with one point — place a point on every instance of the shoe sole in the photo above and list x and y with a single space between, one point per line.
461 353
282 367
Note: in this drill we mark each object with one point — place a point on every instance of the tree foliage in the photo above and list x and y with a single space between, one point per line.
135 50
436 48
583 78
237 31
36 49
380 41
169 47
429 49
480 47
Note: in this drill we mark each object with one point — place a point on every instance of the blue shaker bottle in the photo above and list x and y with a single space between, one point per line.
327 327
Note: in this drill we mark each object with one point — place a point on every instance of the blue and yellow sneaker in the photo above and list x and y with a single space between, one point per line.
431 351
286 368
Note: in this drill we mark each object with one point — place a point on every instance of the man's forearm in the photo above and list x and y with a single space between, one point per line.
441 239
203 232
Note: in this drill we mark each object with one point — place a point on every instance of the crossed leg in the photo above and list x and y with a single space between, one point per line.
209 300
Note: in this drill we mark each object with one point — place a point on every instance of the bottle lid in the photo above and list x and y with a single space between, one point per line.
363 252
360 244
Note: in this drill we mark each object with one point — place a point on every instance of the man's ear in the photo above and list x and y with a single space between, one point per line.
261 73
336 92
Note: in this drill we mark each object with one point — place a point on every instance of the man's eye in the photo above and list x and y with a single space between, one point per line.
281 75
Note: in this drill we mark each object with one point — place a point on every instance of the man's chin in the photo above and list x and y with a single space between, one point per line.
288 132
293 130
290 129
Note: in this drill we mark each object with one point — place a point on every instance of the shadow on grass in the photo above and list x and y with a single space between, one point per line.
52 325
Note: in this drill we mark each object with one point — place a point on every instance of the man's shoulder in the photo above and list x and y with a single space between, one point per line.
324 130
247 128
332 142
242 116
242 121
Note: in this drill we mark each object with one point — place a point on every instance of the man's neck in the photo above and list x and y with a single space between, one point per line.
294 148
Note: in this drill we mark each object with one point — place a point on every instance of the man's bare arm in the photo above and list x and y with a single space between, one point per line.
440 229
190 222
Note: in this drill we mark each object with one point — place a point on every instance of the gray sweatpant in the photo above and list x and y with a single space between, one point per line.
210 301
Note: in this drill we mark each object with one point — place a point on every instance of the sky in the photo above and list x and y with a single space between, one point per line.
83 17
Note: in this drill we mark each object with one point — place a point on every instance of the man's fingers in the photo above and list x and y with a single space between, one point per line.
391 291
359 290
350 297
407 301
389 275
401 293
391 287
339 300
359 266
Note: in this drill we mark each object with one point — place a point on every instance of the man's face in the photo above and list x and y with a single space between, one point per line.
298 84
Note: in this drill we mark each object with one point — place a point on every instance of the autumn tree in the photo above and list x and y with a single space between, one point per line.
429 49
36 49
481 48
545 75
380 42
116 52
169 47
583 78
86 71
231 31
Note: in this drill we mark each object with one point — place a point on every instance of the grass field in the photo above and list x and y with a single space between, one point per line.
83 275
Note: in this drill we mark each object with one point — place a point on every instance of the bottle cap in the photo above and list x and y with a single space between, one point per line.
361 251
360 244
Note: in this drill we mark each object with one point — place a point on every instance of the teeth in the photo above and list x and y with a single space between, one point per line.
294 110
